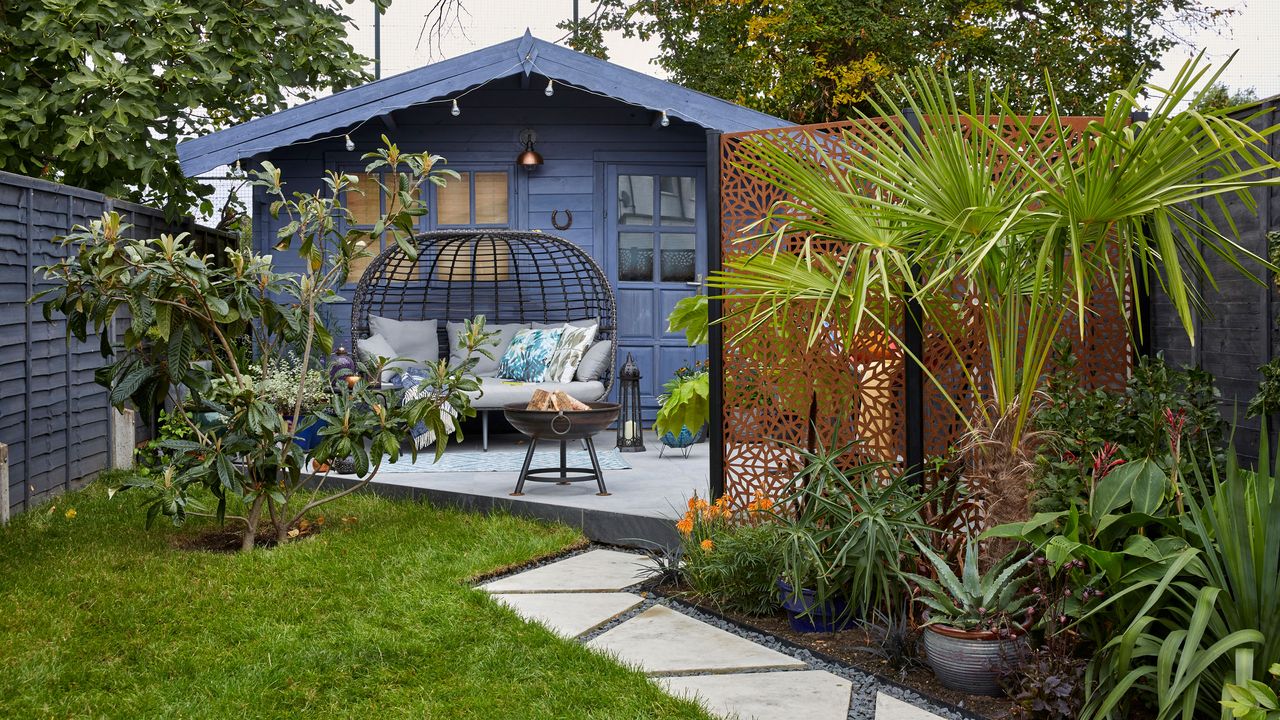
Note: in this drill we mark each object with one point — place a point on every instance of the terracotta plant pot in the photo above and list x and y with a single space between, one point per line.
971 661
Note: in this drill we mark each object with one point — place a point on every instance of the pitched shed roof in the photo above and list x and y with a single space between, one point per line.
525 54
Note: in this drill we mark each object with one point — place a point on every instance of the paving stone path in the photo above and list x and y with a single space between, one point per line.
729 675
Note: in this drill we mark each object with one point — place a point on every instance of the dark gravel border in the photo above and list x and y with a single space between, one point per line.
862 702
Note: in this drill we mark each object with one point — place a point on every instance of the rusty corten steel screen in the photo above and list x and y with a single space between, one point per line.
774 380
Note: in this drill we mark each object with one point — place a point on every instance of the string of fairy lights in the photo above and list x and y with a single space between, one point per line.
455 108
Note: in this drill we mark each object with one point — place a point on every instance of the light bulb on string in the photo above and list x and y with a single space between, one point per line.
350 145
550 88
665 121
456 111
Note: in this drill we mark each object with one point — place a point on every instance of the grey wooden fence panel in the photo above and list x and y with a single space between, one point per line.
53 416
1237 333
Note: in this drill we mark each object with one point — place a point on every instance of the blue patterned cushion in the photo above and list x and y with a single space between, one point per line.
529 354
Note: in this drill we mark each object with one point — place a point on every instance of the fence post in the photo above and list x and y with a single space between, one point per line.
122 431
913 374
715 333
4 484
1142 293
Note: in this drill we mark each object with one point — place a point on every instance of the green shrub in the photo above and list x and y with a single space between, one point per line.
735 566
1078 425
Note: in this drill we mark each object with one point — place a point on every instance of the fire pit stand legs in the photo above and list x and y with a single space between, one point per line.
560 475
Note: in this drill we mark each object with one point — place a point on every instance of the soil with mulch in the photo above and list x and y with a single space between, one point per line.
227 540
855 647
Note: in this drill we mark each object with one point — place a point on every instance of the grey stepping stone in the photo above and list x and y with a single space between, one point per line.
595 571
808 694
662 641
891 708
570 614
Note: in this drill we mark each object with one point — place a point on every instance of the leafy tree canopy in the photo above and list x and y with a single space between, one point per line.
96 93
816 60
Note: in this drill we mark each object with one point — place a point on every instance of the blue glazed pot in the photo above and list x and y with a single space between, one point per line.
309 437
807 616
685 439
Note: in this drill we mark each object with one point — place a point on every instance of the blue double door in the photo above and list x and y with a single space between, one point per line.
656 254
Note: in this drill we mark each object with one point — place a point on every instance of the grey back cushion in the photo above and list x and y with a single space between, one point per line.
575 323
414 339
496 347
595 362
376 346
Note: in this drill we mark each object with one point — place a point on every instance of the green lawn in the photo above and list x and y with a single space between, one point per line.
369 619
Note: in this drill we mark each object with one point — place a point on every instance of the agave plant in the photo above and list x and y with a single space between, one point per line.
972 600
993 225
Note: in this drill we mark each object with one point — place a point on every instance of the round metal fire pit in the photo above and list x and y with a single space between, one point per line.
567 425
561 426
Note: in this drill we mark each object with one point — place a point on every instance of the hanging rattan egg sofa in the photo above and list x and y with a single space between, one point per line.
511 278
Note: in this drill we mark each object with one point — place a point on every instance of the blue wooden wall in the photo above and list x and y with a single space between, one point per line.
579 134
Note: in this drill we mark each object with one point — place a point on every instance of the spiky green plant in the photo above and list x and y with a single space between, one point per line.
973 600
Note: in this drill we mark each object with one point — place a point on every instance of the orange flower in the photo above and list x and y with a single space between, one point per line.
707 545
685 526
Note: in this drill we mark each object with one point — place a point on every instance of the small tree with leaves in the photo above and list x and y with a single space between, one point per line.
216 330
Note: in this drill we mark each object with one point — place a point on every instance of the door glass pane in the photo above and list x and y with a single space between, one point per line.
453 201
679 200
679 257
364 199
635 256
491 198
635 199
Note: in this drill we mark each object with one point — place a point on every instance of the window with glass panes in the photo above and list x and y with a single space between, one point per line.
366 202
477 198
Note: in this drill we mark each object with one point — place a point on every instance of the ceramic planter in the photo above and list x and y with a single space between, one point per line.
806 615
309 437
970 661
686 438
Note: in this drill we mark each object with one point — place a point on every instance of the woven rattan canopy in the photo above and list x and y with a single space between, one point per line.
507 276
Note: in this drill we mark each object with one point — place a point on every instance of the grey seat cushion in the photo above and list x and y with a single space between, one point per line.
499 392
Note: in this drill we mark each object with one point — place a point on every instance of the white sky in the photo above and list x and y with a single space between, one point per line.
1254 31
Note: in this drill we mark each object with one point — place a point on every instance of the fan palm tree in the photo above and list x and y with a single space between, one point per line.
993 224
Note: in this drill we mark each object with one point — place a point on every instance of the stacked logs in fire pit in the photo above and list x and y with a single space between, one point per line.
558 401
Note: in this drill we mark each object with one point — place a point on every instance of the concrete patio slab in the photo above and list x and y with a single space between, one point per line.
808 694
891 708
570 614
662 641
594 571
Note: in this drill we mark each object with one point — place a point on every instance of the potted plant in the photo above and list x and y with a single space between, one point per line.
281 380
844 534
972 630
684 407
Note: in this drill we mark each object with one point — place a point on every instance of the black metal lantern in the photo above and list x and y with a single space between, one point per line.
630 424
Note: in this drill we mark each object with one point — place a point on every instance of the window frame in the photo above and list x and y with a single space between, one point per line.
433 214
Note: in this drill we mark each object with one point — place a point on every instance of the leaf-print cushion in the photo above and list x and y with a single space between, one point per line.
530 351
573 345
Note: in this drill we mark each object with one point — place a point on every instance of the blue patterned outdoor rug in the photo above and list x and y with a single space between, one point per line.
494 461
